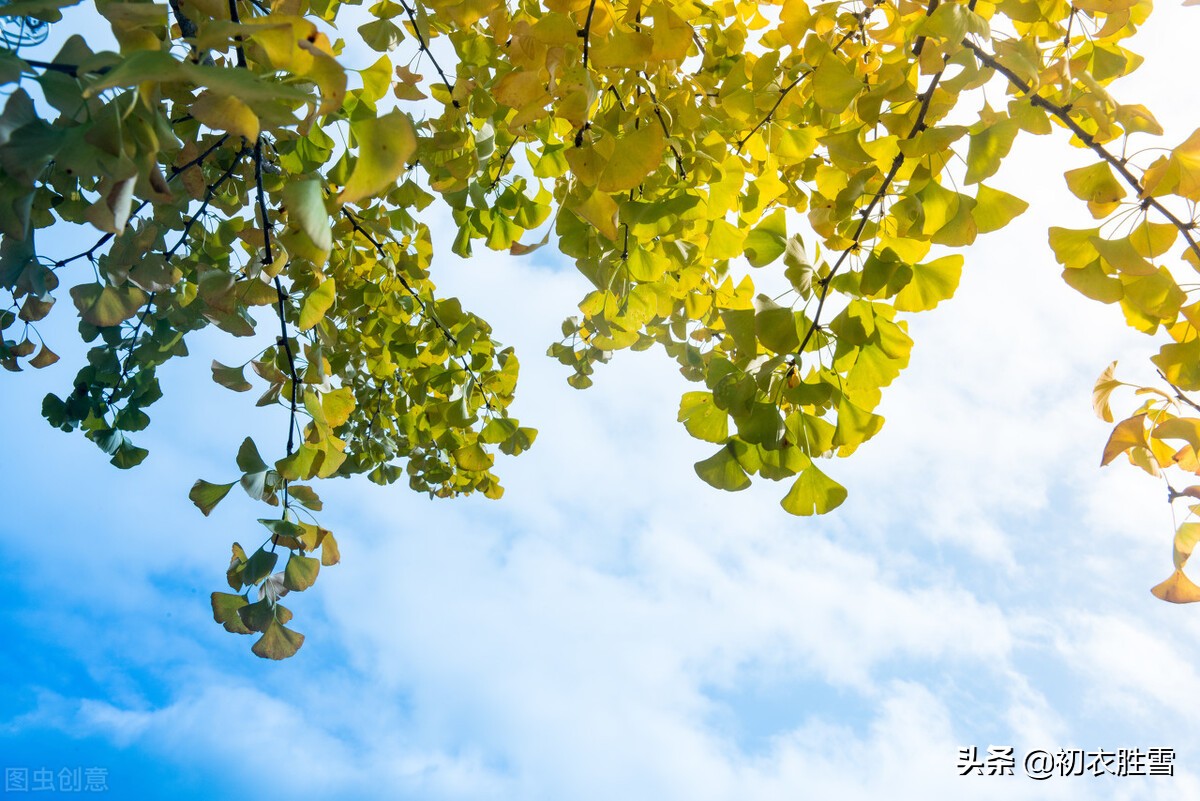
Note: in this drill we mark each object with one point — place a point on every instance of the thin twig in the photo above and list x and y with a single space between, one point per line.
281 296
1063 115
782 94
919 125
663 123
175 172
356 224
424 45
1179 392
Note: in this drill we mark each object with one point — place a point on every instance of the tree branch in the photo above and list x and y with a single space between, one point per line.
356 224
424 45
919 125
586 33
1062 113
782 94
175 172
281 309
663 123
68 69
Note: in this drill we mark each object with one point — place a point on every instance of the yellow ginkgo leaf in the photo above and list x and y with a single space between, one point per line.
1129 433
1102 392
1177 589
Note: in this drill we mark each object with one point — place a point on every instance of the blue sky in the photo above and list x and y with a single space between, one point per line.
613 628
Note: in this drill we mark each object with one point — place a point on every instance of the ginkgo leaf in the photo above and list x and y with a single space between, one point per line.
278 642
1184 428
995 209
1178 173
1180 363
1098 186
768 241
1177 589
384 146
1185 542
834 85
225 113
1102 392
44 358
1120 255
636 156
702 418
988 147
316 304
1129 433
206 496
813 492
259 566
330 555
230 377
931 284
104 305
225 608
305 203
721 470
599 209
301 572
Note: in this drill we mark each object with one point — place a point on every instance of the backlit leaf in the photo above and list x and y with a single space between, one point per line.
384 146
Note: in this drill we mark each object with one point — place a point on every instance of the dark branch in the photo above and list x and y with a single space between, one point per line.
356 224
667 133
90 253
586 33
281 296
918 125
68 69
1064 116
424 45
782 94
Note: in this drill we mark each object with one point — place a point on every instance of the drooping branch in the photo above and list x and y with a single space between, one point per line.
356 224
281 303
1062 113
918 126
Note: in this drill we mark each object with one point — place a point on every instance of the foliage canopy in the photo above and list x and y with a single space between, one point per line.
273 165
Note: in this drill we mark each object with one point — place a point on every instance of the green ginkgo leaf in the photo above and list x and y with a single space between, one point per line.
384 146
813 492
721 470
206 496
278 642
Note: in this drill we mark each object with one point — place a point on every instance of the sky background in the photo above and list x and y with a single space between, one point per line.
614 628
